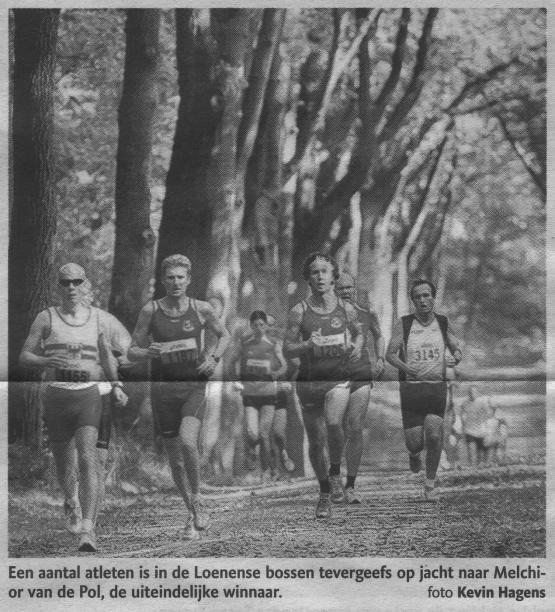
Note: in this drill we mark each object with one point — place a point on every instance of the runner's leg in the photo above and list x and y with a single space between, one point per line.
66 468
356 414
335 406
188 434
265 425
85 442
433 433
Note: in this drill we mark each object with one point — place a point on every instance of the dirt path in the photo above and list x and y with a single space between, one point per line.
494 513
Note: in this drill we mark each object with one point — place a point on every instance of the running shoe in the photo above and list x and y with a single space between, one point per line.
323 508
431 493
351 496
415 463
87 542
190 532
337 492
201 519
73 518
287 462
266 477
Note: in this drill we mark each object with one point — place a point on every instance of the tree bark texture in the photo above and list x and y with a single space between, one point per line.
186 216
34 212
134 244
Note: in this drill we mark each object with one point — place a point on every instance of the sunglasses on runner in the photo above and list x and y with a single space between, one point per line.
66 282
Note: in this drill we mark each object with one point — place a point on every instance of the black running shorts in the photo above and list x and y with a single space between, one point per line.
173 401
66 410
257 401
418 399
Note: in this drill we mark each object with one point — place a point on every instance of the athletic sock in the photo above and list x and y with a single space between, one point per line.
350 484
335 469
430 483
324 486
87 525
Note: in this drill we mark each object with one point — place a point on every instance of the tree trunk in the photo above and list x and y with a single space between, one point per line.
134 244
227 199
186 216
34 210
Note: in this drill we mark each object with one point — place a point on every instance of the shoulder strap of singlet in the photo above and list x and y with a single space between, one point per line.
47 333
304 305
193 303
155 307
406 323
443 325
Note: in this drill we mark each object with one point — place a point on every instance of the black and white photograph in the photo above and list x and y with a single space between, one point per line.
277 284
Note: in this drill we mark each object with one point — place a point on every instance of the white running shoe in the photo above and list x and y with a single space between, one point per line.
87 542
352 496
190 532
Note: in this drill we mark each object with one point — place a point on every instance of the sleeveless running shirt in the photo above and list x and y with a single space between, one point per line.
325 361
78 344
181 339
426 351
257 360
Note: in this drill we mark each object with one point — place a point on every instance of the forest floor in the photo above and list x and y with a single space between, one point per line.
494 512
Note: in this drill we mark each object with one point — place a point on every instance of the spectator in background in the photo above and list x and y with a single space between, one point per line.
475 412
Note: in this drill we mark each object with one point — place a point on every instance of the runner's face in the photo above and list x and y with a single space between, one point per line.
176 280
71 290
259 327
423 300
321 278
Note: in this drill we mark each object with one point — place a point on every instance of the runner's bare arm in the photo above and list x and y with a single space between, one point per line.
219 330
375 331
277 374
355 328
140 348
392 353
30 356
454 346
293 346
231 373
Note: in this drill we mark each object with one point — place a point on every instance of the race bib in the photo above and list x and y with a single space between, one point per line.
179 351
331 346
423 354
71 375
258 367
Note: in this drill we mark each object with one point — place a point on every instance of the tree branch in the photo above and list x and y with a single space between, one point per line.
416 82
268 39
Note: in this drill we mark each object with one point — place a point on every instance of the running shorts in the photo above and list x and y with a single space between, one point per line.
312 394
281 400
257 401
173 401
66 410
359 373
419 399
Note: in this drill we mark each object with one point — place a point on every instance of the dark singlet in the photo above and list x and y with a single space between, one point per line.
257 361
181 339
325 361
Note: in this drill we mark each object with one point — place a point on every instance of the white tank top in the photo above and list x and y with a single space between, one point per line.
426 351
79 345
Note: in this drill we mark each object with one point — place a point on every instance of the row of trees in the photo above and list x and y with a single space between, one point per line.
255 136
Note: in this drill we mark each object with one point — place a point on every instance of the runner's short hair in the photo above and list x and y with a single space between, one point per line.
175 261
258 315
318 255
422 281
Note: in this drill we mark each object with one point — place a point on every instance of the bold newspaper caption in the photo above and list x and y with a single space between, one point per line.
154 582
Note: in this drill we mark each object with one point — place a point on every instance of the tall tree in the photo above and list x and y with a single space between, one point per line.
33 222
34 210
134 244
